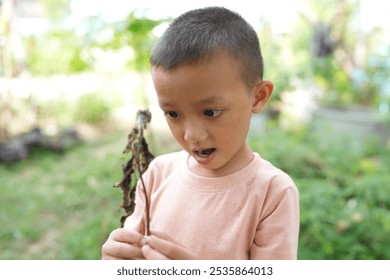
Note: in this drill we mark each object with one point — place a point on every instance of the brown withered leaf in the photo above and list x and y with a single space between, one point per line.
140 158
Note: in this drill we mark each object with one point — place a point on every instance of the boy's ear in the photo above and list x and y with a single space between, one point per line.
262 94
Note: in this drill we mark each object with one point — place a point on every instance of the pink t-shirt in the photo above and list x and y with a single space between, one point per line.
250 214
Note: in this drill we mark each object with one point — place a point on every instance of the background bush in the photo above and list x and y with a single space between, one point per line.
344 192
92 108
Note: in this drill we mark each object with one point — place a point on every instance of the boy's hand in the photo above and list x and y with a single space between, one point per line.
162 247
123 244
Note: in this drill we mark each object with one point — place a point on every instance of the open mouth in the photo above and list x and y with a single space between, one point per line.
204 153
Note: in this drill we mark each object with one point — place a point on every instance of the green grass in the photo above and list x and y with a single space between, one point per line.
61 206
64 206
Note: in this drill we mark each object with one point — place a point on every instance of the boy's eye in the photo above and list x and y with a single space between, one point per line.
212 113
172 115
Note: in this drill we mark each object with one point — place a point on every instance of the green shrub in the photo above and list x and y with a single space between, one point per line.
58 109
56 52
344 192
91 108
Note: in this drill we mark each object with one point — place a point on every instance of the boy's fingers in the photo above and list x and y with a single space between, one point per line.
121 251
125 251
123 244
127 236
150 254
169 249
162 235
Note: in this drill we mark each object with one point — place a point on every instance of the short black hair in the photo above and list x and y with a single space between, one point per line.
200 32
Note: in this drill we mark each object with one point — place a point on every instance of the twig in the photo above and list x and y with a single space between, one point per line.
147 208
139 162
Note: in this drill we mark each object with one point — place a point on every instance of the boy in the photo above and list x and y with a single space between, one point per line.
216 199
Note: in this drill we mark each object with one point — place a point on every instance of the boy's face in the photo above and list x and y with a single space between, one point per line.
208 109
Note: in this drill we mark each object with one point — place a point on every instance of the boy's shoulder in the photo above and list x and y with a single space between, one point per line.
276 178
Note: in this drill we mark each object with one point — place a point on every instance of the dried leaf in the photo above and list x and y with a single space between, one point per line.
138 163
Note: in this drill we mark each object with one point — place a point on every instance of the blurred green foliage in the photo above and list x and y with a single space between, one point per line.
64 51
275 55
344 192
92 108
138 34
61 206
55 10
57 52
58 109
345 75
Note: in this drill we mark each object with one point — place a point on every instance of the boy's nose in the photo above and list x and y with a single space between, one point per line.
194 133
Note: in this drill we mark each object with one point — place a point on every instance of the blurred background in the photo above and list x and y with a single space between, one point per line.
73 74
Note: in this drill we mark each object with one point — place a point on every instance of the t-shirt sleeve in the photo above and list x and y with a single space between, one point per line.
276 236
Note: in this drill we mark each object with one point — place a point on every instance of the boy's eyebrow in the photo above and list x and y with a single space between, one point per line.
211 100
164 104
